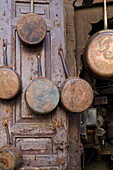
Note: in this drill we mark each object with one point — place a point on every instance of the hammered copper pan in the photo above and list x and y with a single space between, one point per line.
98 57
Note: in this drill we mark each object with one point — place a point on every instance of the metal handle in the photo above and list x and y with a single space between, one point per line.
105 16
32 7
64 63
8 134
39 65
5 124
4 53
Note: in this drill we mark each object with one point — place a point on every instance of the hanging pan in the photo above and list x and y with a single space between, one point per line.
10 83
98 57
10 156
31 28
41 96
76 94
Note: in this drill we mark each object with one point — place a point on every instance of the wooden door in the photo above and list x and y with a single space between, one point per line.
43 140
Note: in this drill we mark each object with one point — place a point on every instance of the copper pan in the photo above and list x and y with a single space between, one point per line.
31 28
76 94
10 83
98 56
42 95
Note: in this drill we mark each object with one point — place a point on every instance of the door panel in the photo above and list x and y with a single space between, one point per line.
42 139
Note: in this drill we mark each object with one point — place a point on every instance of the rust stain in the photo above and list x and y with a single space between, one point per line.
29 114
10 110
59 25
5 121
51 128
35 158
4 13
58 123
63 162
7 110
59 161
14 45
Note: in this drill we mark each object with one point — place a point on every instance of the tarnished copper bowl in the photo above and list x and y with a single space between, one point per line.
76 94
98 56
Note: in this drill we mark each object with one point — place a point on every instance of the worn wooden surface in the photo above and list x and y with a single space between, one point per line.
43 140
74 122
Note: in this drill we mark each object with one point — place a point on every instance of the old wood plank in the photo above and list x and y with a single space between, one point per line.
57 41
74 122
59 117
31 129
70 39
40 161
